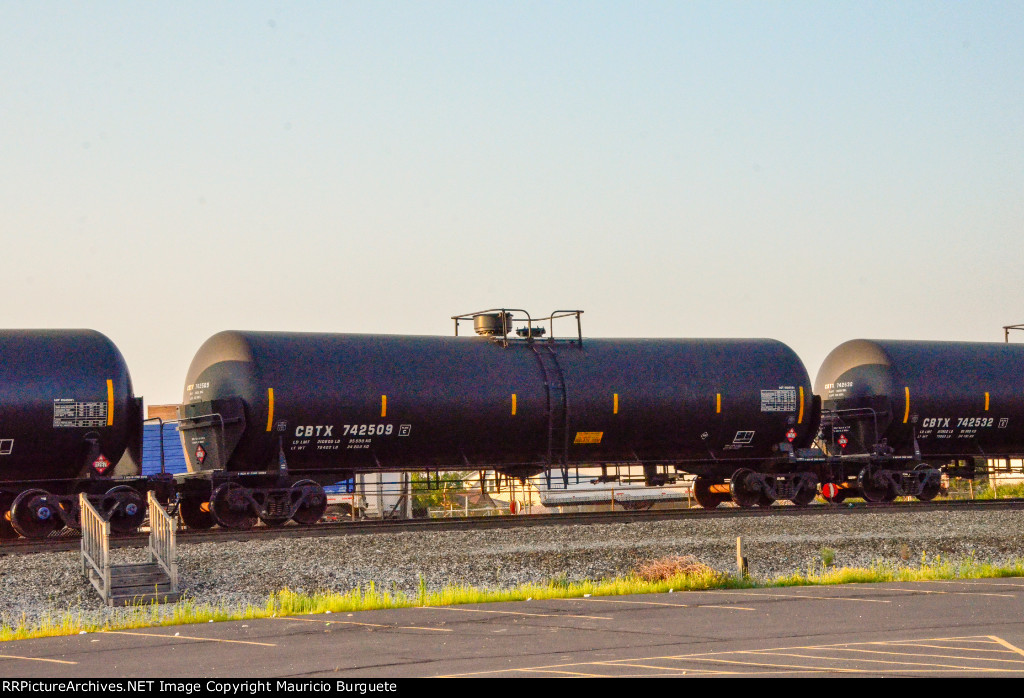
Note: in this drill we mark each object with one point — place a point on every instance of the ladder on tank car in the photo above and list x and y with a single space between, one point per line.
497 324
558 412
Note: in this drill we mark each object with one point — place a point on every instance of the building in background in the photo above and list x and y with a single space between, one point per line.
173 454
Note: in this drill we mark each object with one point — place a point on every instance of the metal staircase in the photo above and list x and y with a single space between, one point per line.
130 584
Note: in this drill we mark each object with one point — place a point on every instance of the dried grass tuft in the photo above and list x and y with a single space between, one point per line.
673 567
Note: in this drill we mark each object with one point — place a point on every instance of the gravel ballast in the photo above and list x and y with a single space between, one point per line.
237 573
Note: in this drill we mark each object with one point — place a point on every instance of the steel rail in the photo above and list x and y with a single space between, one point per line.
70 541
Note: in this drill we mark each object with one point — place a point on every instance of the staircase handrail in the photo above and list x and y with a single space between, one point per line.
162 539
95 545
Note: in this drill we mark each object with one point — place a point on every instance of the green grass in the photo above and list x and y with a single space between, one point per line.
288 603
1001 491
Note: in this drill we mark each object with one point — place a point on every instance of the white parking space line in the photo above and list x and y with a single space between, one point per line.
511 613
901 662
937 647
36 659
1007 645
657 667
1019 585
936 656
564 673
961 593
801 667
663 603
188 637
802 596
368 625
814 659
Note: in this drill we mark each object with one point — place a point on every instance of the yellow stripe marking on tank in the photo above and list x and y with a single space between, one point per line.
615 403
270 409
383 405
718 403
110 402
800 417
513 404
906 413
986 402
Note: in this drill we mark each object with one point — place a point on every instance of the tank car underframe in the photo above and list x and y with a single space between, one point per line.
797 479
36 508
238 500
762 484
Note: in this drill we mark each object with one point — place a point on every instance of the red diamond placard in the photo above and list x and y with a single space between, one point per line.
101 464
200 454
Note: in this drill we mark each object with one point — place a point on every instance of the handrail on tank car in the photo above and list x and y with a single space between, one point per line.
854 413
567 313
1006 331
219 416
507 320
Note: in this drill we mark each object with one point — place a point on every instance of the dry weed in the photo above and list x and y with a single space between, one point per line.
669 567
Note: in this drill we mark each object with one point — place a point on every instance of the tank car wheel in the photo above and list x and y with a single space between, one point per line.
194 515
703 494
743 488
875 487
230 507
314 502
33 515
932 485
806 490
124 508
7 531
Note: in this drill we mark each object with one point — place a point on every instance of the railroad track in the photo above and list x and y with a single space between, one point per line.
70 541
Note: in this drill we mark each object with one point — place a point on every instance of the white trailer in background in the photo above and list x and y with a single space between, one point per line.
1004 472
383 495
591 487
386 495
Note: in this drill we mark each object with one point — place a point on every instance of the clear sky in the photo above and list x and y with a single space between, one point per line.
808 171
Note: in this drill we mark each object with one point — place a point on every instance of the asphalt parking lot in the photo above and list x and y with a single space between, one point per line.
946 628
